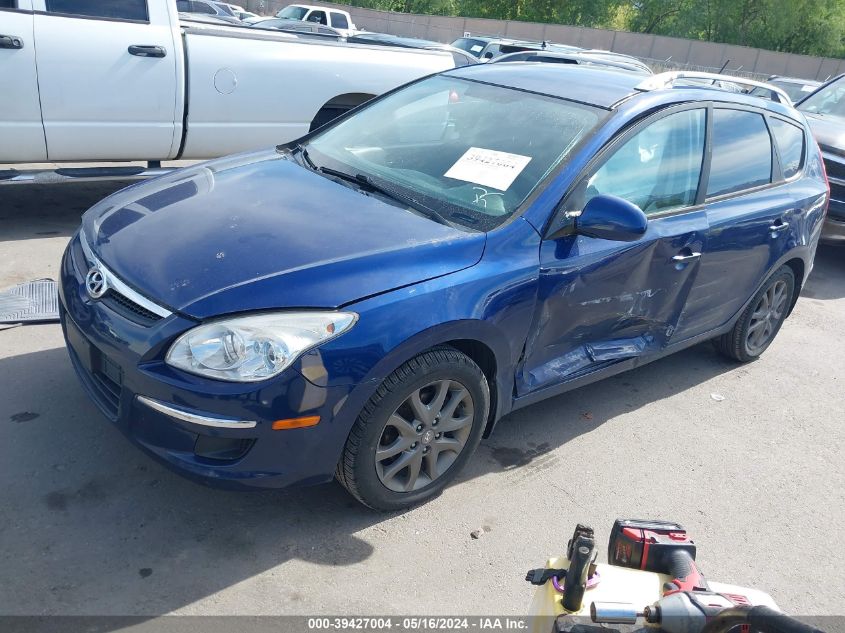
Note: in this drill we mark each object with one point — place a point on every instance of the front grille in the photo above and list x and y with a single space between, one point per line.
103 389
128 309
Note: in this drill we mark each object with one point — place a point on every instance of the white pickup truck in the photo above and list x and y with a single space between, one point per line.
129 80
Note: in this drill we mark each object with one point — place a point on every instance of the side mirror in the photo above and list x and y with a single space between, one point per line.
611 218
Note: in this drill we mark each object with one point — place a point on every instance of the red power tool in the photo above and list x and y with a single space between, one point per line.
658 546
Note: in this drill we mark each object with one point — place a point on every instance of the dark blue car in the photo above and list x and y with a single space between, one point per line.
368 302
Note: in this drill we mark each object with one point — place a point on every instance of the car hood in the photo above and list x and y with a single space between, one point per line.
258 231
828 131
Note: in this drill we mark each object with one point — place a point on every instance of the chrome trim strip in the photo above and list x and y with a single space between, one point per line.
193 418
94 174
116 284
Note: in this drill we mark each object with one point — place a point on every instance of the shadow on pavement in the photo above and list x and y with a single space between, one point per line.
29 211
111 531
827 281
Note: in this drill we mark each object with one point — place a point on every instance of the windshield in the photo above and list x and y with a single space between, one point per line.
292 13
474 47
472 151
828 100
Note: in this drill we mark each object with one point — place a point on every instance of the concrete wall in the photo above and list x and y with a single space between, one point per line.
680 52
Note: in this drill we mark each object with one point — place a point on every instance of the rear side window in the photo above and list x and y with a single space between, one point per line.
790 141
658 168
120 9
742 152
339 21
8 4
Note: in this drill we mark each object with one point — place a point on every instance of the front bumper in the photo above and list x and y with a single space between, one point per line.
217 432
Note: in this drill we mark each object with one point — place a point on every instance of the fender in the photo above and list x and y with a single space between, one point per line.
471 330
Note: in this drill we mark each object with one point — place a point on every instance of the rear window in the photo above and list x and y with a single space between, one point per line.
474 47
742 152
339 21
790 141
119 9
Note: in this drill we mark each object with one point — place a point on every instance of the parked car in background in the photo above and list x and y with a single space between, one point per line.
247 89
825 112
335 18
583 58
518 230
243 16
797 89
207 7
462 58
486 48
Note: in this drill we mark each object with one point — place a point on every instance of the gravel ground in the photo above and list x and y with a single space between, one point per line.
89 525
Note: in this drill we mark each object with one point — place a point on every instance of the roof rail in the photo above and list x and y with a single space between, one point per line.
668 79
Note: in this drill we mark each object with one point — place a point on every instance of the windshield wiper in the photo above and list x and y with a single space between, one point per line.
363 180
299 147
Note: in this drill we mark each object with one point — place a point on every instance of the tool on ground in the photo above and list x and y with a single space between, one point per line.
651 583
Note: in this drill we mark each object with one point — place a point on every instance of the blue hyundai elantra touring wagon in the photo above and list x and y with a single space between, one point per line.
366 303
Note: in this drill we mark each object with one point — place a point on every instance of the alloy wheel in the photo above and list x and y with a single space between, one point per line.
424 436
766 317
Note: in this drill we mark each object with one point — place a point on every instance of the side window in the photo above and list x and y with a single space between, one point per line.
318 17
742 152
657 169
8 4
202 7
339 21
183 6
121 9
790 141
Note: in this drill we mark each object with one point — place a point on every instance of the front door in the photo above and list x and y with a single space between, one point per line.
21 132
602 301
108 78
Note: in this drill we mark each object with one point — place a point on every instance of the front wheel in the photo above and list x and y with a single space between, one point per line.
417 432
758 325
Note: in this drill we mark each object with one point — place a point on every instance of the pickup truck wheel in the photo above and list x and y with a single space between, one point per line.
758 325
417 431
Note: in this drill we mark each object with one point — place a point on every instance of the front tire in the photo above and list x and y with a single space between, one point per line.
416 432
760 322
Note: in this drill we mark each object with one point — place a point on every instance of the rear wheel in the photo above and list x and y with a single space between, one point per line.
758 325
417 432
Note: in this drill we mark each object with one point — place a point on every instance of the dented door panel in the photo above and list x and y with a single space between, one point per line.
601 301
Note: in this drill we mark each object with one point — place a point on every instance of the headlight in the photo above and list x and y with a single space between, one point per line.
253 348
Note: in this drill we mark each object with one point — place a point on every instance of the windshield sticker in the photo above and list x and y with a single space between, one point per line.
808 88
488 168
477 48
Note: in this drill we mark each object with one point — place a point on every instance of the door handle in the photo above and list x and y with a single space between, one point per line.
11 41
779 227
680 259
147 51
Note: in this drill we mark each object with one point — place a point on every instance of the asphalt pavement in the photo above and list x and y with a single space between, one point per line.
749 458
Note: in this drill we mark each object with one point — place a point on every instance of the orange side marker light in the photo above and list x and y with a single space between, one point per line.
296 423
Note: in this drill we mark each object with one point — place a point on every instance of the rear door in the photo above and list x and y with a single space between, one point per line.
21 132
108 78
751 211
602 301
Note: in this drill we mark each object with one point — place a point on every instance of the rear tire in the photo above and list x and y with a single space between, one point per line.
417 431
760 322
